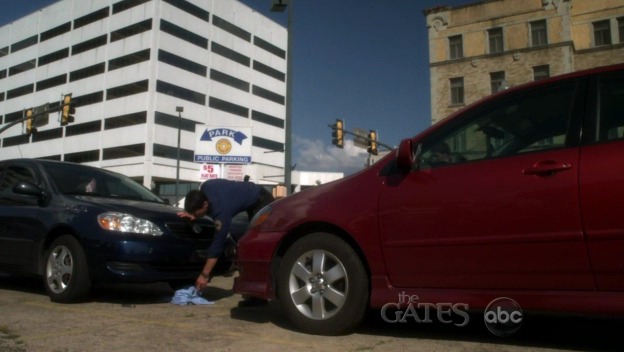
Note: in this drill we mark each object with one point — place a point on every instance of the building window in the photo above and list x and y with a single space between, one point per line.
230 54
541 72
495 37
24 43
86 72
457 91
88 99
267 94
229 80
92 17
266 143
167 190
52 82
129 59
165 151
13 116
127 4
183 34
190 9
56 31
52 57
173 121
261 43
602 33
83 128
136 118
24 66
621 28
226 106
497 81
180 62
179 92
269 71
23 90
539 35
126 90
456 47
82 157
17 140
231 28
266 118
126 151
46 135
89 44
131 30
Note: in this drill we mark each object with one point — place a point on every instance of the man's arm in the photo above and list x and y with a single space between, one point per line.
204 277
214 252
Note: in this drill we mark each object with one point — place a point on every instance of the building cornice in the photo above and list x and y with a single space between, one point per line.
474 59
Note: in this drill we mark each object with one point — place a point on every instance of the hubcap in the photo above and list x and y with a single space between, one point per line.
59 269
318 284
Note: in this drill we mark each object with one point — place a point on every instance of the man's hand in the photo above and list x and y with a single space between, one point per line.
186 215
201 282
204 277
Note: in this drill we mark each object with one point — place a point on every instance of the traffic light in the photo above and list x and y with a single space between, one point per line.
372 142
30 129
68 109
338 133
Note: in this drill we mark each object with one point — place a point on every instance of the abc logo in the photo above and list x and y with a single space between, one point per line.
503 316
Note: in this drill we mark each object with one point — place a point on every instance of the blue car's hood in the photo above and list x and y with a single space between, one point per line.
143 209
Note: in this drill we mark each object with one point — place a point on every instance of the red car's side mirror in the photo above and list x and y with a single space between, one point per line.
406 155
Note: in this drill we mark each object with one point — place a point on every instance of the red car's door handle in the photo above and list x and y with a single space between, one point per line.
546 168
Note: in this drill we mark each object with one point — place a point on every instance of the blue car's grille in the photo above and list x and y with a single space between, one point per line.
185 229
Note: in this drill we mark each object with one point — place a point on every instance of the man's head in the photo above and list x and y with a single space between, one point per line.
196 203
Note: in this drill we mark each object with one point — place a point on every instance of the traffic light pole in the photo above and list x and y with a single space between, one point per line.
11 124
24 119
35 115
363 137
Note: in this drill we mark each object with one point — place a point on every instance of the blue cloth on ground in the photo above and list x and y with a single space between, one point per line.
188 295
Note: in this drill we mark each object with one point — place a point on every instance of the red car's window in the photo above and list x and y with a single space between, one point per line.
520 123
611 108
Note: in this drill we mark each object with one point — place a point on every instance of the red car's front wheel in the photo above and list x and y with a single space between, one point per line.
323 285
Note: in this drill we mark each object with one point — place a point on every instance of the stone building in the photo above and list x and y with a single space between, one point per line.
482 47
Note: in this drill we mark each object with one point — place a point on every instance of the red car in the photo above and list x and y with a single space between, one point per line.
518 195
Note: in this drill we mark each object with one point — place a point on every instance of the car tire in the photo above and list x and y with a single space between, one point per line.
322 285
65 271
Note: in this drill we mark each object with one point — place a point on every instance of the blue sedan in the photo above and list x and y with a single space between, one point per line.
76 226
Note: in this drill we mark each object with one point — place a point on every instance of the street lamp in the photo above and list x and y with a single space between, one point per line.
280 6
179 109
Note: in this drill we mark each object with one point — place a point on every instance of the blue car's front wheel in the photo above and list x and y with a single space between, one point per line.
66 275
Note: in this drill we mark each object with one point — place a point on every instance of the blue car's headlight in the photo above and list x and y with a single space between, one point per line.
122 222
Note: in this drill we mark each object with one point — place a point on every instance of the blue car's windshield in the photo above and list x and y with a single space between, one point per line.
82 180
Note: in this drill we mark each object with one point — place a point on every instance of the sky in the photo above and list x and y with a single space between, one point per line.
363 61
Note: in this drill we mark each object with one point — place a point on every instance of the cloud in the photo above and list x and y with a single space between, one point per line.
314 155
